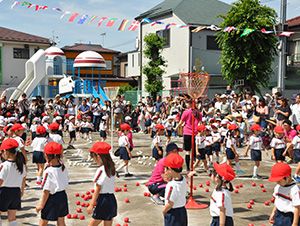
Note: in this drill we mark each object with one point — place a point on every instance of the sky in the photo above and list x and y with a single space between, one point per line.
44 22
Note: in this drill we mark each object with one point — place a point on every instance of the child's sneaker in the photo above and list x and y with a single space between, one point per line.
296 178
240 172
157 200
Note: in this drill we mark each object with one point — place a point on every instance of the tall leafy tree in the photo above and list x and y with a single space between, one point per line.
154 69
248 57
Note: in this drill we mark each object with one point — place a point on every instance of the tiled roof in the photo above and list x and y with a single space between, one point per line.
17 36
294 22
79 47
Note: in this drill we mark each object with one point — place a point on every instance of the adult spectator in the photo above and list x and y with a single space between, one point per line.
23 106
32 110
284 112
262 111
3 105
40 109
59 108
236 106
209 109
158 104
225 106
84 109
158 180
188 129
70 105
118 111
56 99
296 111
247 113
148 101
97 112
289 136
107 112
218 101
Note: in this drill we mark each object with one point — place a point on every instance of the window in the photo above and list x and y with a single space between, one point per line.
211 43
297 51
108 64
21 53
166 35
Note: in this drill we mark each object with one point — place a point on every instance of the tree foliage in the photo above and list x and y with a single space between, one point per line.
249 57
126 87
154 69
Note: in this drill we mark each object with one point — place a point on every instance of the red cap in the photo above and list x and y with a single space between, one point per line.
279 171
255 127
159 126
40 130
16 127
52 148
8 144
100 148
173 160
44 114
8 114
88 117
298 127
212 120
201 128
5 129
54 126
67 115
125 127
78 116
232 127
55 114
225 171
279 129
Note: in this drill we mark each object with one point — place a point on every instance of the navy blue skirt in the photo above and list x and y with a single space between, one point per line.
208 150
10 199
296 157
202 154
169 133
106 208
60 133
103 133
155 153
33 135
216 221
38 157
56 206
230 154
176 217
216 147
255 155
72 134
124 154
284 218
278 154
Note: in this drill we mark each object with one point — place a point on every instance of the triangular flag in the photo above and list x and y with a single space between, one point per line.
156 22
111 22
266 32
169 25
182 25
30 6
198 29
146 20
101 20
123 25
286 33
26 3
15 3
134 25
65 13
247 31
82 19
58 9
229 29
213 27
92 18
73 17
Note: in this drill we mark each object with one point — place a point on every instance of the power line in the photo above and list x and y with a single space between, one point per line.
123 44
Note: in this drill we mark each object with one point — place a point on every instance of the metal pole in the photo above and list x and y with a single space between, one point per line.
111 130
141 57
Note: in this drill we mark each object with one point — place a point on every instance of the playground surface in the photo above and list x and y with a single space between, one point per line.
140 210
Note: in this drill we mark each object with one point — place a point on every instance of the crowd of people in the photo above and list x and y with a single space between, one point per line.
221 125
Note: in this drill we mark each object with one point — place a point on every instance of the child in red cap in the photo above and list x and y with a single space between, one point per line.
157 151
54 203
104 179
255 144
174 210
220 203
286 194
12 180
278 145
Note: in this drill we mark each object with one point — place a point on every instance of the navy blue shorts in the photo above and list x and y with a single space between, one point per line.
56 206
169 133
38 157
255 155
216 147
10 199
155 153
230 154
83 130
158 188
284 218
153 134
87 130
208 150
72 134
222 139
77 129
33 135
296 157
202 153
24 136
59 132
124 154
23 158
278 154
106 208
216 221
176 217
102 133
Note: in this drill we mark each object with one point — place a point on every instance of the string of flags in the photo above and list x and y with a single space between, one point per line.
134 25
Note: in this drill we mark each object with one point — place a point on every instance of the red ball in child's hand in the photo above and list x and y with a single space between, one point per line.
77 194
82 217
145 194
125 185
137 184
79 210
261 185
236 191
249 206
264 190
82 196
126 219
69 216
272 199
87 204
75 216
127 200
253 184
251 202
200 185
77 202
206 189
88 192
267 203
125 189
93 190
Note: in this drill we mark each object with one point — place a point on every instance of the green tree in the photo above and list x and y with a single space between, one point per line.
126 87
154 68
249 57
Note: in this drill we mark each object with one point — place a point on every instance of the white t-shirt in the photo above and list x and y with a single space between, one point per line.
103 126
56 138
78 123
296 114
230 141
67 121
46 126
168 125
223 131
208 140
255 142
38 144
296 142
55 180
83 124
123 141
200 142
176 192
71 127
96 107
277 143
20 141
157 140
216 136
10 175
33 127
221 199
25 126
71 109
89 125
287 197
107 183
153 126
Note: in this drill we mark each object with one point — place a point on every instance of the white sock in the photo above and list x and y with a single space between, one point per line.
211 158
218 157
208 163
90 136
120 167
238 167
84 136
73 142
127 169
13 223
255 169
39 178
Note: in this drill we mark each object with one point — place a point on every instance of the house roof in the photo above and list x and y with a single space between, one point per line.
7 34
80 47
294 22
191 12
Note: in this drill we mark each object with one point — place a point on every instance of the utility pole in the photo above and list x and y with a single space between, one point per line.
282 49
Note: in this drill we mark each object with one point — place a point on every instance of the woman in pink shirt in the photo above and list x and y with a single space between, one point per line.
187 129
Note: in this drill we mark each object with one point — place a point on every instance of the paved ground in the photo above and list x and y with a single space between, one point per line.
140 210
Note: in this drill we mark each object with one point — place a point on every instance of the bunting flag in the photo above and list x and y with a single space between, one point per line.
111 22
169 25
58 9
73 17
266 32
65 13
15 3
134 25
101 20
82 19
156 22
30 6
213 28
92 18
229 29
26 3
198 29
37 7
123 25
146 20
247 31
286 33
182 25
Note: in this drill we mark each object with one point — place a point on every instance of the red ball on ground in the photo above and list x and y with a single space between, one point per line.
241 185
146 185
190 185
137 184
69 216
118 225
95 204
249 206
250 224
126 219
79 210
116 189
82 217
194 187
267 203
86 198
261 185
77 202
82 204
88 192
82 196
264 190
76 194
236 191
207 183
127 200
125 185
251 202
125 189
272 199
145 194
87 204
237 186
149 194
125 224
200 185
90 196
93 190
253 184
120 189
75 216
206 189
